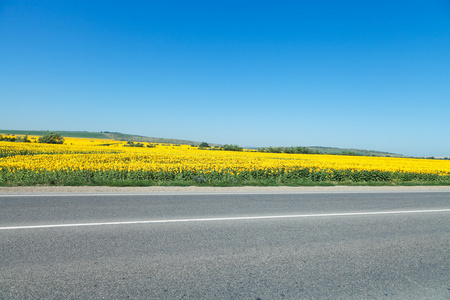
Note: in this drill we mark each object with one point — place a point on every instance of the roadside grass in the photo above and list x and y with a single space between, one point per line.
217 184
24 178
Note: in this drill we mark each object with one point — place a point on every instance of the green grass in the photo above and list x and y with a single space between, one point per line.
301 177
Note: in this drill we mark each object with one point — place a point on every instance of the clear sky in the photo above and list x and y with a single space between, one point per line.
358 74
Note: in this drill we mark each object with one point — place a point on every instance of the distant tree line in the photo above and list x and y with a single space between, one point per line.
138 144
290 150
350 153
133 144
226 147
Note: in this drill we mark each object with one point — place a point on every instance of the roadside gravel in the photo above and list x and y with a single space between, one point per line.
197 189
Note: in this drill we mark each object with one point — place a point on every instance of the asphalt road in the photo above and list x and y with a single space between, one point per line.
226 246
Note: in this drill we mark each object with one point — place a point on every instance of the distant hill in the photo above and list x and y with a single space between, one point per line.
104 135
138 138
73 134
331 150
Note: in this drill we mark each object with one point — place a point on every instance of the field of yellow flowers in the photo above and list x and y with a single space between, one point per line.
106 162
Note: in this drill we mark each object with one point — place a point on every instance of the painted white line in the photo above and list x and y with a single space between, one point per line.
230 219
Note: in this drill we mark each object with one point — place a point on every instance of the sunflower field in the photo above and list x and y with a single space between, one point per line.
81 161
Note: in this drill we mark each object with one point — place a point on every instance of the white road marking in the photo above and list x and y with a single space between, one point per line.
230 219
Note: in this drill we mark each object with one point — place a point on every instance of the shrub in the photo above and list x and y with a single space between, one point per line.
51 138
133 144
8 138
289 150
23 139
227 147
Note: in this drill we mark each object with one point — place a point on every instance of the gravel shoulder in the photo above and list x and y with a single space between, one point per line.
197 189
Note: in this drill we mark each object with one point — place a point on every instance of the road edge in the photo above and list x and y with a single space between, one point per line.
51 190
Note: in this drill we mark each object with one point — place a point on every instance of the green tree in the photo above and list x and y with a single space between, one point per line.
227 147
51 138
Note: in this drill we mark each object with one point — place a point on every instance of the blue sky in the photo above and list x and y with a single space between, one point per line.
356 74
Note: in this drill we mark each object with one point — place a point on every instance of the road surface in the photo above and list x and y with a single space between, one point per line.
377 245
